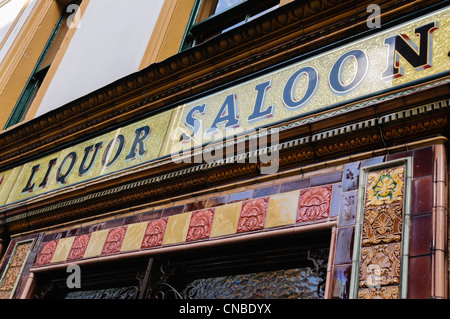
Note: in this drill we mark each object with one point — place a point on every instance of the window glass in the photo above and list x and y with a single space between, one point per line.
214 17
296 283
222 5
41 68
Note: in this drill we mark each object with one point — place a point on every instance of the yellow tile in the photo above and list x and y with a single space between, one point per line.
133 237
282 209
225 220
96 243
63 249
177 228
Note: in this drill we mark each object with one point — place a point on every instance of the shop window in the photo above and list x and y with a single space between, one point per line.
285 267
210 18
41 68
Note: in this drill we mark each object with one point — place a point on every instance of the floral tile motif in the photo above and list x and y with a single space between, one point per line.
385 187
154 234
114 240
79 247
47 252
253 214
382 224
314 204
200 225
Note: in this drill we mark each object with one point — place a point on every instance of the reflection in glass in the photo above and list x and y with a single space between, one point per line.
297 283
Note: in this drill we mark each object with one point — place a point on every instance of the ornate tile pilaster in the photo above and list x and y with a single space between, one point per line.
380 254
13 272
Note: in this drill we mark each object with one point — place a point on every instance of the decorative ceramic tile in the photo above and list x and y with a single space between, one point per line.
389 292
154 234
282 209
226 219
347 213
253 214
382 224
79 247
133 237
385 186
96 243
200 225
12 275
380 265
114 240
177 227
63 249
351 177
47 252
314 204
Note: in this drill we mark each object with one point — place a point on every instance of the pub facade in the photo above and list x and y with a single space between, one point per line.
299 153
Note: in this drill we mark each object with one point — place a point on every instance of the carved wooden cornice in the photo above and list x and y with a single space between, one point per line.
294 29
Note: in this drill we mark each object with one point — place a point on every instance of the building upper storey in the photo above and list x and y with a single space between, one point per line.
55 51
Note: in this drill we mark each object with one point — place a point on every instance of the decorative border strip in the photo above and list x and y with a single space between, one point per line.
293 208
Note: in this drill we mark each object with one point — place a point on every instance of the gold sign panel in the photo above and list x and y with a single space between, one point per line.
396 57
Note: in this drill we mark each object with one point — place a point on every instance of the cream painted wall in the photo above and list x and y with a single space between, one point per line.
108 45
8 15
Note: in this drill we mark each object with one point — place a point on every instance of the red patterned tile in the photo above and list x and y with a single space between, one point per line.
314 204
200 225
114 240
154 234
253 214
47 252
79 247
